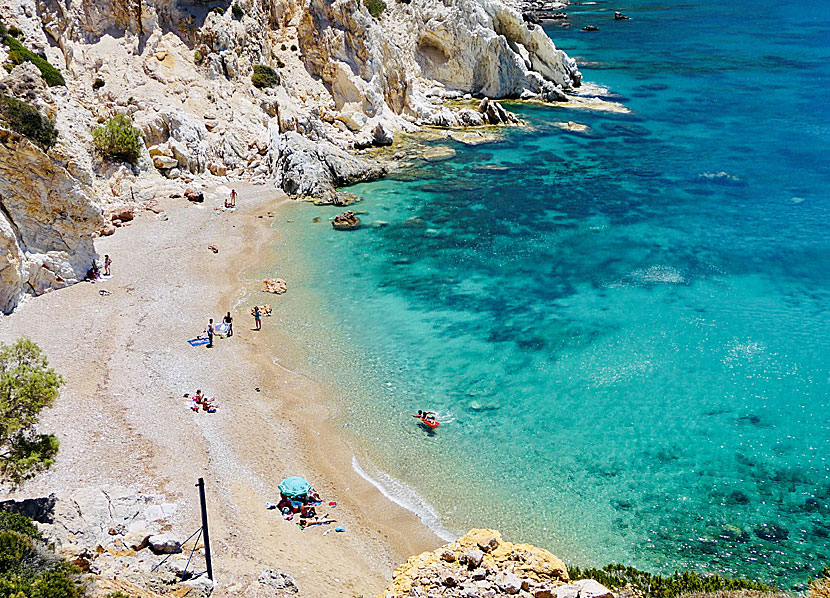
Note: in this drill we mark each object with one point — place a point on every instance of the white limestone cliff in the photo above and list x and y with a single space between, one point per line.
182 72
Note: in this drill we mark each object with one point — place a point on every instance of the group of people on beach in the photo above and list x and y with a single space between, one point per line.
226 328
94 272
230 202
200 401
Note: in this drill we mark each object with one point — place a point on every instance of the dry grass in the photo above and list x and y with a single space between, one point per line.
819 588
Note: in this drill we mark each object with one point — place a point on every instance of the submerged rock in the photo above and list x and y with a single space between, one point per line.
772 532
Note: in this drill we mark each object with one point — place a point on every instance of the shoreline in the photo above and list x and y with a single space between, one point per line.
127 365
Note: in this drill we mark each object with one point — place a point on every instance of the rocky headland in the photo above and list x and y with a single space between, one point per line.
286 92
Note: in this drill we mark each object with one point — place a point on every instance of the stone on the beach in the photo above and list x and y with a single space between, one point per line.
202 586
107 230
278 580
479 574
274 285
449 580
164 544
487 540
162 162
473 558
589 588
194 196
509 582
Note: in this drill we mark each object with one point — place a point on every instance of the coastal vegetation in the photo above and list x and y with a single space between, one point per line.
237 11
28 569
27 120
264 76
27 386
18 54
376 7
668 586
820 587
118 139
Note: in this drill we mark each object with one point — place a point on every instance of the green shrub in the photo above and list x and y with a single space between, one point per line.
15 32
280 64
118 139
14 547
264 76
12 522
218 10
28 121
117 595
237 11
27 568
18 54
376 7
197 57
659 586
293 48
97 84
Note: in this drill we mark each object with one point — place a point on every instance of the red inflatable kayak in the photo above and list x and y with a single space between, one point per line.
429 422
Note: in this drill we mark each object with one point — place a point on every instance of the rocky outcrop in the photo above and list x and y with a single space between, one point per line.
389 67
115 535
48 214
312 170
479 563
346 221
182 73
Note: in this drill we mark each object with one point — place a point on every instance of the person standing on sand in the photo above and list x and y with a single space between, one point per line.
229 321
257 318
233 198
107 264
210 334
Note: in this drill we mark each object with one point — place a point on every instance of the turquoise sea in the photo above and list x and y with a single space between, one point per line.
626 332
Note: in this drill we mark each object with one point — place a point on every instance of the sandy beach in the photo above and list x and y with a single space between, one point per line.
122 418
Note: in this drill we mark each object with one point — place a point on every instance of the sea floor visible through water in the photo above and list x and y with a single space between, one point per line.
624 331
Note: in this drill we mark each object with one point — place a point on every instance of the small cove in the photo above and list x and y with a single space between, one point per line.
626 331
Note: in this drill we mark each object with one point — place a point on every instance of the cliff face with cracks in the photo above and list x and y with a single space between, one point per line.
182 72
47 212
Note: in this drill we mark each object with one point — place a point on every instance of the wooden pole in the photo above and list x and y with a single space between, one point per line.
201 486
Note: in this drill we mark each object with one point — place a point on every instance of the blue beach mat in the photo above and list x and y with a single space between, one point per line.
195 342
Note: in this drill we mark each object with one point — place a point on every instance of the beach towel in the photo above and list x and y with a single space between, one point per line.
222 328
195 342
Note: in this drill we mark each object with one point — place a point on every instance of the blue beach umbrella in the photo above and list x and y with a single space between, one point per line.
295 487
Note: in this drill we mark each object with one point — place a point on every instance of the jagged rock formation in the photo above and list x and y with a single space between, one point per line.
346 80
114 534
47 211
480 563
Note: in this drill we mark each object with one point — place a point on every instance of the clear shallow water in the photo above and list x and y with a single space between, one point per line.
626 331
